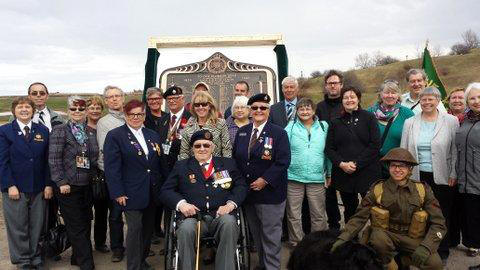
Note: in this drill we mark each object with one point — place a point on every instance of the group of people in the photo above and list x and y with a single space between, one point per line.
282 163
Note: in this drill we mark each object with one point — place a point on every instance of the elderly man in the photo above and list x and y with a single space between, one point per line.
284 111
210 186
328 109
262 152
114 99
405 217
417 81
241 88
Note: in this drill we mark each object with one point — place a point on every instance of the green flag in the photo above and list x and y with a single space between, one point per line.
432 77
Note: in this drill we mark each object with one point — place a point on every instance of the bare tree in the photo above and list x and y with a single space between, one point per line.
363 61
436 51
316 74
470 39
459 49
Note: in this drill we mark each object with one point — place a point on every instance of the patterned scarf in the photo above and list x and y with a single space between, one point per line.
78 131
384 114
472 116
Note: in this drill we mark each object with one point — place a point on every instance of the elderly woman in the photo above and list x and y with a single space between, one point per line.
240 116
73 155
309 170
430 137
134 175
25 183
205 116
154 108
390 118
456 103
353 145
94 113
467 142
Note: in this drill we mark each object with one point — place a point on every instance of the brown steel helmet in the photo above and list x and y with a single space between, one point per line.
401 155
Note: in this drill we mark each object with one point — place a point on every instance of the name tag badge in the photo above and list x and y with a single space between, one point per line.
82 162
166 148
222 179
241 134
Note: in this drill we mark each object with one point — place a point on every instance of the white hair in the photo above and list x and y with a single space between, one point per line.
290 79
110 87
470 87
431 91
240 101
74 98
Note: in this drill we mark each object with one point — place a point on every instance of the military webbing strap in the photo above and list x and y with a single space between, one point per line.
378 191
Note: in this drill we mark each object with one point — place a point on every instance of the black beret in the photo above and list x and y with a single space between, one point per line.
173 90
202 134
259 98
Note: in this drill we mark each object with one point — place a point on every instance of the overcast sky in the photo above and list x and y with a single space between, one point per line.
84 45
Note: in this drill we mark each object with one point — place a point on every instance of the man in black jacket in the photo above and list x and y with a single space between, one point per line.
327 110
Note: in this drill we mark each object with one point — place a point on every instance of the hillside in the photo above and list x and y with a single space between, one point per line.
454 70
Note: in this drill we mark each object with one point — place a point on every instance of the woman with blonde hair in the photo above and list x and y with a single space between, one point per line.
205 116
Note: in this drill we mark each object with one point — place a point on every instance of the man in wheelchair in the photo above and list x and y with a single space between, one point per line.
213 187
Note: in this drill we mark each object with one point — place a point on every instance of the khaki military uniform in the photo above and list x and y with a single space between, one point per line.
401 202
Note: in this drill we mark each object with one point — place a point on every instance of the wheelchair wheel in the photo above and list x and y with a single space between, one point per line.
243 254
171 253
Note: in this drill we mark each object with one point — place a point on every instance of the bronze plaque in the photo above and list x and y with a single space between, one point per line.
220 74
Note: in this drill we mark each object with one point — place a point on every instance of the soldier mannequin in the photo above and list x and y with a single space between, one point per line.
401 199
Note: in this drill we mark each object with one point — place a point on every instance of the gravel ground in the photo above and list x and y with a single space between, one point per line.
457 261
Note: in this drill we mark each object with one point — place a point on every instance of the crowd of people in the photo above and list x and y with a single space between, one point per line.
412 162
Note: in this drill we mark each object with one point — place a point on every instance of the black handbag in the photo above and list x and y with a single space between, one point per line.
99 187
54 241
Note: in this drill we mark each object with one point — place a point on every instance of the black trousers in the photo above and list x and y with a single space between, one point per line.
76 210
331 207
158 220
470 228
444 195
100 221
350 202
457 217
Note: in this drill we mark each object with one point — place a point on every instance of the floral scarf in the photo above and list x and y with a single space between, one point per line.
384 114
78 131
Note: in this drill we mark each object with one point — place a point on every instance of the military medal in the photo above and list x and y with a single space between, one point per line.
267 152
38 137
192 178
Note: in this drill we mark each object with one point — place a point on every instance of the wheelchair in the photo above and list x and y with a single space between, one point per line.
242 255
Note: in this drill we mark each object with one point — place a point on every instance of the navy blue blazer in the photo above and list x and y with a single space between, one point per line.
186 181
272 167
24 164
127 170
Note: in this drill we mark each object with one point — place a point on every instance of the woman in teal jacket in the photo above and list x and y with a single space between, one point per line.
388 110
309 170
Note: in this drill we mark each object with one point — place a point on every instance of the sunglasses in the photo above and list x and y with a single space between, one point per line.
77 109
201 104
262 108
198 146
38 93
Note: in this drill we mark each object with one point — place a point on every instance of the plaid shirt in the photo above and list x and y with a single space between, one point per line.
63 150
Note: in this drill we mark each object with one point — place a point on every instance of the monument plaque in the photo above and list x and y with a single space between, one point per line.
220 74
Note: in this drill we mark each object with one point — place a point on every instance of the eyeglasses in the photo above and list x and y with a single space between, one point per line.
38 93
399 166
77 109
199 145
262 108
114 96
333 83
201 104
135 115
173 98
154 99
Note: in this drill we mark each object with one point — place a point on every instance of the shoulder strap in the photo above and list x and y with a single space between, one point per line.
421 192
322 126
387 128
378 191
413 107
